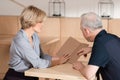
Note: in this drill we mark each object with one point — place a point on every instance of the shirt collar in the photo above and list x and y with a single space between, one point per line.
101 33
24 34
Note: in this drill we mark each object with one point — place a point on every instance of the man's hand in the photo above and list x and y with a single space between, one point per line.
84 51
78 65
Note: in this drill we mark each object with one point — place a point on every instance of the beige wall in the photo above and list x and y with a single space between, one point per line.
7 7
114 26
8 25
54 33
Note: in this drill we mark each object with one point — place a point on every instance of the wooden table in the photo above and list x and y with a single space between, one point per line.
63 72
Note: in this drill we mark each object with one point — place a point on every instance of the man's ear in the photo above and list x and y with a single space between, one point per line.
87 31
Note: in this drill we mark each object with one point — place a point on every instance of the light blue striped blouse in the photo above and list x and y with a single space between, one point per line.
23 56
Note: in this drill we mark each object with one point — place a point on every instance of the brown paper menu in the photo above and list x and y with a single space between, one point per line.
71 46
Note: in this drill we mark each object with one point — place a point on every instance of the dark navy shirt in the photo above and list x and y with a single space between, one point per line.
106 55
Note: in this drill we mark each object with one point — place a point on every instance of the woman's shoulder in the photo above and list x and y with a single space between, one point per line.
19 37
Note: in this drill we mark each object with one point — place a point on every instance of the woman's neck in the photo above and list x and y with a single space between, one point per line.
29 32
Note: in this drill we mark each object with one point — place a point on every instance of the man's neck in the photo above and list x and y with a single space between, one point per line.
95 33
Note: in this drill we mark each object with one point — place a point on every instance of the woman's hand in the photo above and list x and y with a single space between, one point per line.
84 51
60 60
64 58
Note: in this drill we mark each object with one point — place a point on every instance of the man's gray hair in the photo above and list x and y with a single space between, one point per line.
91 20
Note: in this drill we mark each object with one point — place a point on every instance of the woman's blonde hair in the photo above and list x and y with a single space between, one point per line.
30 16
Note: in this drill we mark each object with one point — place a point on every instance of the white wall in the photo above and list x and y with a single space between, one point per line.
74 8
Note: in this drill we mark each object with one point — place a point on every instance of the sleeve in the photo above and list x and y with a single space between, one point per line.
44 56
29 55
99 56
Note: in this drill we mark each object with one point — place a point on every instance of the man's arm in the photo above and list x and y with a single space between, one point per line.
88 71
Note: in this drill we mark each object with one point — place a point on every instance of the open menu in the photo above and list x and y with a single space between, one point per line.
71 46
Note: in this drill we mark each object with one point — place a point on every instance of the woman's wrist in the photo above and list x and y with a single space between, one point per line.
56 60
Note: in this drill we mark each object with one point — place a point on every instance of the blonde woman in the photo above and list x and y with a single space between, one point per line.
25 50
